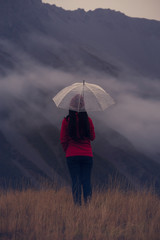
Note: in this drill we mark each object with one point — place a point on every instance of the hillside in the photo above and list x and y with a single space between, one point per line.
44 48
36 154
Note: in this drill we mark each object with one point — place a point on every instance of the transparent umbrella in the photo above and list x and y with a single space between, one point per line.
82 97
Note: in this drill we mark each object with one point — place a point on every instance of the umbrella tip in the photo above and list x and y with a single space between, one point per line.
83 82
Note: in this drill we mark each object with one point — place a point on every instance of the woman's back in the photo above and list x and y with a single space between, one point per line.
79 145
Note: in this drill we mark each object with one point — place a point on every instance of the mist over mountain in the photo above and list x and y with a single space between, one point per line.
44 48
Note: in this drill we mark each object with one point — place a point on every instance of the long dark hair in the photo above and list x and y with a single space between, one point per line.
84 129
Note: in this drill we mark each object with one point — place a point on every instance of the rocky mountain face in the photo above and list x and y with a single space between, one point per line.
102 41
40 31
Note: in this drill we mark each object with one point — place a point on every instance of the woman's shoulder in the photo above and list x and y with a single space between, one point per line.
65 120
90 120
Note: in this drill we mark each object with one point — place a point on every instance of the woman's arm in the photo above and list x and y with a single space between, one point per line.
64 135
92 132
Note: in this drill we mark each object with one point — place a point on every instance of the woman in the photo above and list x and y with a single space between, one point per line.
77 131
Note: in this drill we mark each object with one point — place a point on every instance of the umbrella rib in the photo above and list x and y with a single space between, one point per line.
61 93
95 96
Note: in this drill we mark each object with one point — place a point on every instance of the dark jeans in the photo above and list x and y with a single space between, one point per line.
80 171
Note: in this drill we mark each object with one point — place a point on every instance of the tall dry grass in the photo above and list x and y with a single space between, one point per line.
51 215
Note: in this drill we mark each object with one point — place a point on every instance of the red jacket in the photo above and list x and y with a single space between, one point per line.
76 148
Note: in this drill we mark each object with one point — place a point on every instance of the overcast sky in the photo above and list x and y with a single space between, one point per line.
135 8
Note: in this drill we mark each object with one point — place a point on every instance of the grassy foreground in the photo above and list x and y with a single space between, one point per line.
51 215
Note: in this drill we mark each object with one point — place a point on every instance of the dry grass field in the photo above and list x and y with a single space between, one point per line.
51 215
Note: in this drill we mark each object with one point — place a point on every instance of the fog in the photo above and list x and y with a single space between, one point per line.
135 115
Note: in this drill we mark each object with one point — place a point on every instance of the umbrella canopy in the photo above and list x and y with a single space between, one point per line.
82 97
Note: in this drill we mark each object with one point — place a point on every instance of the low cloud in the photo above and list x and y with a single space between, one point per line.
135 115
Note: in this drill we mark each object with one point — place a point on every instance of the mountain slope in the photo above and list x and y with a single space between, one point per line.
103 40
35 153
